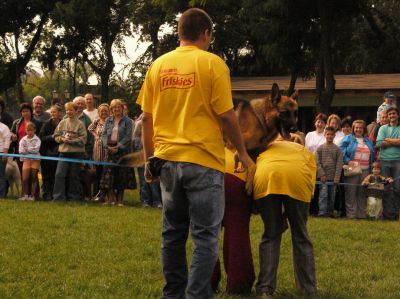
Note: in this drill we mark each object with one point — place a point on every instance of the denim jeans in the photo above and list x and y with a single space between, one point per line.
391 197
150 194
326 199
67 184
3 180
193 197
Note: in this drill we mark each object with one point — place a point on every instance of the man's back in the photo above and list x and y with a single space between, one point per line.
189 88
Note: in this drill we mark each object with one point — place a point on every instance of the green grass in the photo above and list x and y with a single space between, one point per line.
52 250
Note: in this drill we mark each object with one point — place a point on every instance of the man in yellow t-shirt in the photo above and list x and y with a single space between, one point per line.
285 180
187 106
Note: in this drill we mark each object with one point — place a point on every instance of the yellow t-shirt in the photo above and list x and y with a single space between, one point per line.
285 168
185 90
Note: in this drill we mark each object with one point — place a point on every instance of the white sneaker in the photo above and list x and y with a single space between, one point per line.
25 197
31 198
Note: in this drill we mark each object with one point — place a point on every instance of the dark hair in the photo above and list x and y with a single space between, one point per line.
56 101
392 109
347 121
25 105
192 23
330 129
321 116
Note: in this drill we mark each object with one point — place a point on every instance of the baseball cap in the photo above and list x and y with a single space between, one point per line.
389 95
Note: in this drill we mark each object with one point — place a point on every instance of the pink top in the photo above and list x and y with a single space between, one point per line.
362 154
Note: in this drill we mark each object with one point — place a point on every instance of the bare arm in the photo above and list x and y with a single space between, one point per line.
147 135
392 141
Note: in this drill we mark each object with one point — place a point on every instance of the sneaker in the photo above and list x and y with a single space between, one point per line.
25 197
145 205
159 206
31 198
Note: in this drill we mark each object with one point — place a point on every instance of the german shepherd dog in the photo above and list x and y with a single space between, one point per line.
261 121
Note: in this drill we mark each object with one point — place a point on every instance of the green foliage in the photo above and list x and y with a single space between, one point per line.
54 250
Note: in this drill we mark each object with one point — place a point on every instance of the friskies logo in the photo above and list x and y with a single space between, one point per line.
178 81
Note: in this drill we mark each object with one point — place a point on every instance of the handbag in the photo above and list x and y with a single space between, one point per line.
352 170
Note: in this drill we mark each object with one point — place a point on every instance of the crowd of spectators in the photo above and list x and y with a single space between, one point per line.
354 161
80 131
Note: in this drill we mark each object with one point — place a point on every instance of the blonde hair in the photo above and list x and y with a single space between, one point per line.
71 105
334 116
359 122
103 107
116 102
30 124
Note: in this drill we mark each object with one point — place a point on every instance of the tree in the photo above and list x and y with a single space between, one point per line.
20 30
92 30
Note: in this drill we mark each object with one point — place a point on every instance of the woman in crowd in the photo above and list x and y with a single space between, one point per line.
18 131
357 149
316 138
49 148
116 137
334 122
18 128
96 129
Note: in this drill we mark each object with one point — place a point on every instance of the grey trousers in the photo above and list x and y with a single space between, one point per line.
193 198
270 208
355 196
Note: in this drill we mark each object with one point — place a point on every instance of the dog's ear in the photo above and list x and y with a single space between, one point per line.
275 94
295 95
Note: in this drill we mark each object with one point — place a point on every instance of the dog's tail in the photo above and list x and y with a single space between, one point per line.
134 159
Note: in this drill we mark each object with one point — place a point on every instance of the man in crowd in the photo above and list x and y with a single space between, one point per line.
90 110
39 113
186 99
389 100
389 141
86 173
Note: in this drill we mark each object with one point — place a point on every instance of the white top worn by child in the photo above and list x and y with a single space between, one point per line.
375 184
29 144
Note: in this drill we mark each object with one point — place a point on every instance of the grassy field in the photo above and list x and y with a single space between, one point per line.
52 250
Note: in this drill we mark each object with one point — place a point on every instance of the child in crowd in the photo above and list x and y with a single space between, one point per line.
329 167
29 145
71 136
375 184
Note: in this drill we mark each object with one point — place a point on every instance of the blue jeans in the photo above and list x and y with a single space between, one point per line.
67 184
193 197
150 194
3 180
391 197
326 199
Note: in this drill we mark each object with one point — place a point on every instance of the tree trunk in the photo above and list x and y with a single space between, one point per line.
19 91
325 80
293 78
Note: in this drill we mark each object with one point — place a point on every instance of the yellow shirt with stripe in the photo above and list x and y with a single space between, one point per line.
285 168
185 90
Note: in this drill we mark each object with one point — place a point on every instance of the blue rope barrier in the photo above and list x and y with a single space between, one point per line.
62 159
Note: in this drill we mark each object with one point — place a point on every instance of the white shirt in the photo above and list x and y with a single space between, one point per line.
5 138
314 140
338 137
92 114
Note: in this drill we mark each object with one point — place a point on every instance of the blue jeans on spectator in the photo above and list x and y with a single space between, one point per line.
326 199
67 184
3 180
193 197
391 197
150 193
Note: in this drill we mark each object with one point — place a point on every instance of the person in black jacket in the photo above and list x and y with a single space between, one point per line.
49 147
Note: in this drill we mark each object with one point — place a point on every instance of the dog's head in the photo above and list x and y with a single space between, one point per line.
283 111
262 120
